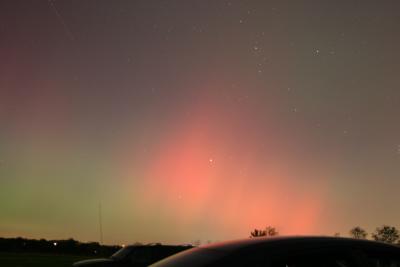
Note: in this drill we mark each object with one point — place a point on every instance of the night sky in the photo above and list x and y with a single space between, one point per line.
198 120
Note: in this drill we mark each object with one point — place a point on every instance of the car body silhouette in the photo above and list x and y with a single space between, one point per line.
134 255
288 252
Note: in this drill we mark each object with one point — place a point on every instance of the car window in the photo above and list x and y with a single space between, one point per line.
314 259
383 258
122 253
141 257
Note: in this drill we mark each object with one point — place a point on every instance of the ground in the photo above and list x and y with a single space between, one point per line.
36 260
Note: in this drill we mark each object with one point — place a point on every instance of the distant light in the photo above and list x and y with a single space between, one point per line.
55 244
123 245
211 160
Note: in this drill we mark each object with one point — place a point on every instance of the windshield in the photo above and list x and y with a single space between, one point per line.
122 253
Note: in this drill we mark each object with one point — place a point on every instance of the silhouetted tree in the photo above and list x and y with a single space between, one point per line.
358 233
257 233
269 231
337 234
388 234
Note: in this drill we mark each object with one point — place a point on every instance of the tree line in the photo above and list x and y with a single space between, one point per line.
69 246
385 233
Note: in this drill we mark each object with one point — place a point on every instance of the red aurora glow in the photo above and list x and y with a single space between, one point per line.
207 173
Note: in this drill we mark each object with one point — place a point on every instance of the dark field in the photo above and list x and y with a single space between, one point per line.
36 260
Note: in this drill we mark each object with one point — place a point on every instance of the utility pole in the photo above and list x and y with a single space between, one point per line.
100 225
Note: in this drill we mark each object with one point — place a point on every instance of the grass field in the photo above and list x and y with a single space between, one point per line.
37 260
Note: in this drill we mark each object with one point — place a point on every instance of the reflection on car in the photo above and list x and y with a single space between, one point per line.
289 252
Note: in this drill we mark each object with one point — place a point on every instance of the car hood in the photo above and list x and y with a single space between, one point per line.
92 262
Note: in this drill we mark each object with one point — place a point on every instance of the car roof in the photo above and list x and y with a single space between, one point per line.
156 245
286 240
